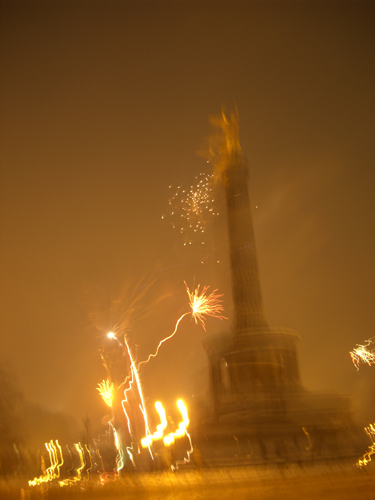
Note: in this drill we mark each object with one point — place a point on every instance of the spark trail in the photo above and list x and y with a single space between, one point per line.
135 373
201 304
142 406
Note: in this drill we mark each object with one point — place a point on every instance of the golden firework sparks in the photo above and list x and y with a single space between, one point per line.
203 304
362 354
191 209
106 390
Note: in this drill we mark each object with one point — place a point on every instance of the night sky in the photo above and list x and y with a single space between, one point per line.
104 105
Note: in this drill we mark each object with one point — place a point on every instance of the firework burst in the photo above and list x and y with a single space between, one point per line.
361 354
191 209
203 304
106 390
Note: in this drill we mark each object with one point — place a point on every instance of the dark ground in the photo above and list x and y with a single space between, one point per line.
318 480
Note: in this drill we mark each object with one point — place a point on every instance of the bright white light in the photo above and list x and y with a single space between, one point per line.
111 335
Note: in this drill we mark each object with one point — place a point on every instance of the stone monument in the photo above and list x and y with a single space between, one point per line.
256 392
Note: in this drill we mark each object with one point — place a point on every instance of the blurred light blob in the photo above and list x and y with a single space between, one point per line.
181 431
158 434
224 144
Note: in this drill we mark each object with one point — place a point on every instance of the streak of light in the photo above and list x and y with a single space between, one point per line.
135 373
201 305
58 466
182 426
182 431
308 438
125 400
130 452
189 452
69 481
90 457
169 439
158 434
164 340
52 459
57 460
53 471
120 452
106 477
238 445
97 453
79 449
370 431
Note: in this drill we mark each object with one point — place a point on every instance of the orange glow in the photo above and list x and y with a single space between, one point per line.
224 145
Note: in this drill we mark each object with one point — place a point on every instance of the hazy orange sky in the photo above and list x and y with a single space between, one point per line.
104 106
